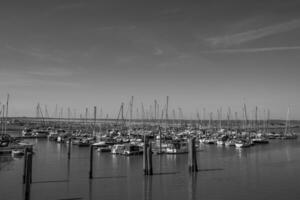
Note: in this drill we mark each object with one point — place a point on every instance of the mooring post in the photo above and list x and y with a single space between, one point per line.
195 155
30 164
91 161
69 148
145 159
28 175
25 165
192 159
149 156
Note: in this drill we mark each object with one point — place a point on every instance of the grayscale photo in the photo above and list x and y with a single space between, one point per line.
149 100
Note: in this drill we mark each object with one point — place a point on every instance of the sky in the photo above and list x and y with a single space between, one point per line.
202 54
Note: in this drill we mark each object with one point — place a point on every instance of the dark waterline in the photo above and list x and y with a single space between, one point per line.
261 172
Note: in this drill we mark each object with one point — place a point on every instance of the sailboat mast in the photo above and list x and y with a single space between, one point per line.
6 115
287 121
95 119
167 112
2 119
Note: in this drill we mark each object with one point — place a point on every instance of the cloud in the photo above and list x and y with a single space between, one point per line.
69 6
248 36
254 50
37 53
158 51
169 11
50 72
116 27
36 77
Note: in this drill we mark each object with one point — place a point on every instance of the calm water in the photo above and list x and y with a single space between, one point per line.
262 172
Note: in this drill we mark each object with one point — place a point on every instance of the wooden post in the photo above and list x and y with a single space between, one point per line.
145 159
28 175
149 156
30 163
25 165
69 148
160 138
195 156
91 161
192 159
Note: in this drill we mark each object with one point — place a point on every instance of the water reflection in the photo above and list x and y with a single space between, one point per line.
90 189
192 186
147 188
5 161
68 175
242 152
114 161
287 154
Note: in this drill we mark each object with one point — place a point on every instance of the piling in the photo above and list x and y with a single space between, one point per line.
25 165
149 156
91 161
69 148
28 177
160 151
29 150
192 158
145 156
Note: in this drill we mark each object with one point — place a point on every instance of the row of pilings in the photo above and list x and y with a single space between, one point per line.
147 156
147 162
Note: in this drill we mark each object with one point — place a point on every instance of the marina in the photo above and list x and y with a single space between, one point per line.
237 172
150 100
81 161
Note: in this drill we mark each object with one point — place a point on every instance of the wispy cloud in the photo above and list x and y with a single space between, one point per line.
158 52
116 27
36 76
253 50
36 53
169 11
69 6
64 7
243 37
50 72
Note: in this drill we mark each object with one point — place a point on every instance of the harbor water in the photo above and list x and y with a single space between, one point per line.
269 171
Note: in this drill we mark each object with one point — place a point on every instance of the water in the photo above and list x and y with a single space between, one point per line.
261 172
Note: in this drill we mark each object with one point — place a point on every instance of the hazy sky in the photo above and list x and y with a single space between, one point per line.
208 53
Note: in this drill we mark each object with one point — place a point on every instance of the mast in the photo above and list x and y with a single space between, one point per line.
143 114
167 112
204 117
46 114
199 120
287 121
174 116
69 118
155 106
42 116
256 127
55 113
6 114
210 120
236 121
2 119
86 115
61 116
131 110
220 118
268 120
95 118
246 117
